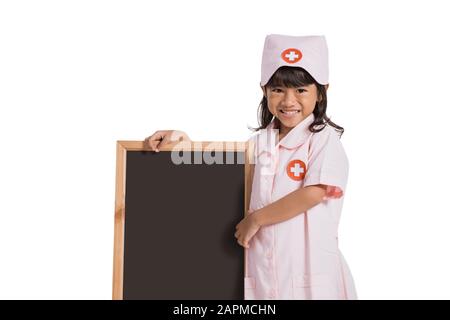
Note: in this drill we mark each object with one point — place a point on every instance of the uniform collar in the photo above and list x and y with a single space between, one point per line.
266 140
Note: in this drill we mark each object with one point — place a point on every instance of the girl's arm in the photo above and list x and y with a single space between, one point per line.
283 209
290 205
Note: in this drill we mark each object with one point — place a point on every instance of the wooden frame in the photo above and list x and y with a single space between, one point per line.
119 213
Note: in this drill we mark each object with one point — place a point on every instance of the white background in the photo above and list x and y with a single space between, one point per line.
75 76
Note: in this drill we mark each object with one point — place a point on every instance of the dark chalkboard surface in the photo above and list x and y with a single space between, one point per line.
175 223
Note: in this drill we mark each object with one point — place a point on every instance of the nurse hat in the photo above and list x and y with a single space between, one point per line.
307 52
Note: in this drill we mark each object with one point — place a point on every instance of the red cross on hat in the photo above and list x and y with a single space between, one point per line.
291 55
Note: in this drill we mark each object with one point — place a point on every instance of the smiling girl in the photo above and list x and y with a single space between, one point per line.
298 179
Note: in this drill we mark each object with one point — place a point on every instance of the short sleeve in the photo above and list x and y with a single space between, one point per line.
328 163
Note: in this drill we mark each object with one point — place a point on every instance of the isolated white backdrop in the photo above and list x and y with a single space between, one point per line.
75 76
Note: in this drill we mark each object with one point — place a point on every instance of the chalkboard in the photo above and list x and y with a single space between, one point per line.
175 217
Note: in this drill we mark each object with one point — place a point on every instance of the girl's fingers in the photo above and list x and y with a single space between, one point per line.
243 244
148 141
155 146
155 139
165 141
169 139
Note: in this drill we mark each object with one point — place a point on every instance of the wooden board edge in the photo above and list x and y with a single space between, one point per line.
119 222
187 146
249 156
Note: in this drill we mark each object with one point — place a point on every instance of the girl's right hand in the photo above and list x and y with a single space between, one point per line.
163 137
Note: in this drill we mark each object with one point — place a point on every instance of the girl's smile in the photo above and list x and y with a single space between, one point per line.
289 113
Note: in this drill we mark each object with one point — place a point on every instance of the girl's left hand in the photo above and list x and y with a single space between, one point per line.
246 229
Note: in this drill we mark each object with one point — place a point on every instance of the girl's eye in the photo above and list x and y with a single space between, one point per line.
279 90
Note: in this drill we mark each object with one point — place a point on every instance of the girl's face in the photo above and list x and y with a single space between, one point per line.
291 105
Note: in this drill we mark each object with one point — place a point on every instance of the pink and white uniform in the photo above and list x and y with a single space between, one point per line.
298 258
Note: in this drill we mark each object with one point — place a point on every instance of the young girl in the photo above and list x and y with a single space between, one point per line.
298 179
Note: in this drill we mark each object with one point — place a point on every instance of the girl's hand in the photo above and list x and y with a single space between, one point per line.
246 229
163 137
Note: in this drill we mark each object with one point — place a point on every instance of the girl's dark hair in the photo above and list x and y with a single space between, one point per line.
293 77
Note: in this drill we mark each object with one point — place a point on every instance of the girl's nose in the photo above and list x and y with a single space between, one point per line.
289 98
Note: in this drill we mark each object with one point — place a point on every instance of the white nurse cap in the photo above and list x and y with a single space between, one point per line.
307 52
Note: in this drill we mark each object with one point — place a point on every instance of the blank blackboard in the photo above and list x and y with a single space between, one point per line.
175 222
